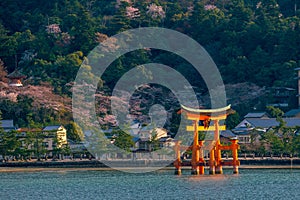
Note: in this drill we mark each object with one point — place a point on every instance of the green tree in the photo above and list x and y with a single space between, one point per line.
27 145
123 140
296 144
8 47
3 72
281 139
36 136
274 144
59 149
275 112
97 143
154 141
74 132
232 120
8 141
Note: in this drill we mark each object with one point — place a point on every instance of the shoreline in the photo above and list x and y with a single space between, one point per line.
71 169
123 165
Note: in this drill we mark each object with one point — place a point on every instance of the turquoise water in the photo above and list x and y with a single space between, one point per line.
249 184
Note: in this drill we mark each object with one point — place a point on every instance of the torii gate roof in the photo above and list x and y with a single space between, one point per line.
203 114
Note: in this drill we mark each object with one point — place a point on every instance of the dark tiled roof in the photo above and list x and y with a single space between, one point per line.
292 113
227 134
291 122
267 123
243 133
143 139
51 128
16 74
135 139
7 124
263 123
255 115
241 129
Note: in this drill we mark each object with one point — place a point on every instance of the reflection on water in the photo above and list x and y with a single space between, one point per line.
249 184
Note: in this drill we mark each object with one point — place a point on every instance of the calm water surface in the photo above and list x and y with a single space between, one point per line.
249 184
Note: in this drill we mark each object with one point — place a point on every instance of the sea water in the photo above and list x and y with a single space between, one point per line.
162 184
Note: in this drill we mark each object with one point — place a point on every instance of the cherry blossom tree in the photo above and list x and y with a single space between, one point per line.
66 38
156 11
100 37
53 28
132 12
210 7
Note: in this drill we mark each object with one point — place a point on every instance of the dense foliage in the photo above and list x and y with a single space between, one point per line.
256 41
250 40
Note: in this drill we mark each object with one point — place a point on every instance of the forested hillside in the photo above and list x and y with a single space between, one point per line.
249 40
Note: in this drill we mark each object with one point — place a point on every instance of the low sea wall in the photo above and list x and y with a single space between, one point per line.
90 163
138 163
270 161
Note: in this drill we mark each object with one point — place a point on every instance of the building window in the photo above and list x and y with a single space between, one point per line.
244 139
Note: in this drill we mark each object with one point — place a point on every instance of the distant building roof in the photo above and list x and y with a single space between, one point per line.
7 124
291 122
227 134
135 128
136 125
292 113
257 115
266 123
16 74
52 128
76 146
143 139
149 127
135 139
263 123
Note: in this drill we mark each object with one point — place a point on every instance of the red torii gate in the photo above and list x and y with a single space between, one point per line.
215 159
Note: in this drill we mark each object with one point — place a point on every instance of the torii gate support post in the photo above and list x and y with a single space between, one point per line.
195 151
201 158
177 162
219 167
235 160
218 155
212 168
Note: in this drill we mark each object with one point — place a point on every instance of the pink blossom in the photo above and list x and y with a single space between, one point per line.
210 7
63 39
132 12
66 38
53 28
190 8
100 37
156 11
110 45
109 119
